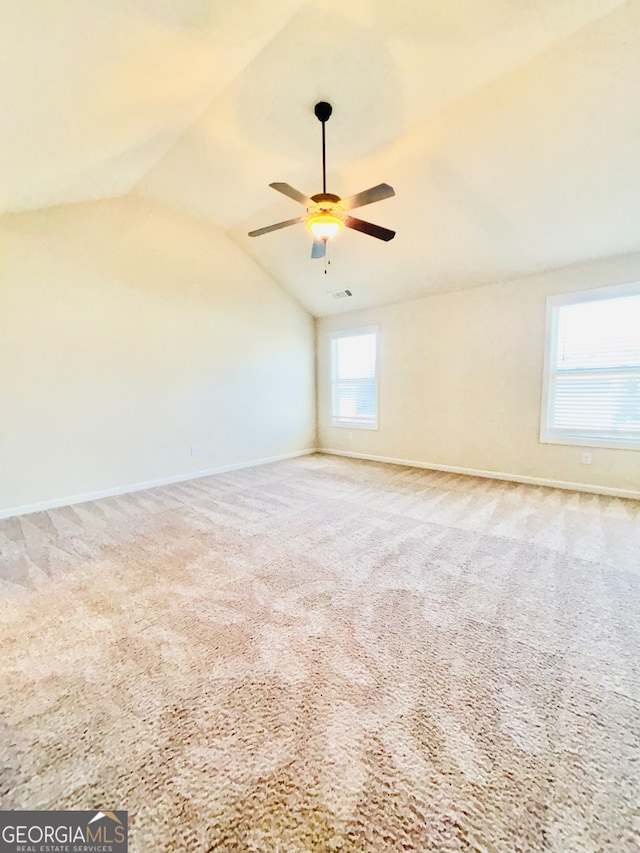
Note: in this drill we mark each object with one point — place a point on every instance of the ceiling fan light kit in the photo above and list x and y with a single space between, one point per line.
326 214
323 226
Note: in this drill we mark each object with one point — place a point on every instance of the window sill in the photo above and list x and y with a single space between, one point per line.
586 441
348 425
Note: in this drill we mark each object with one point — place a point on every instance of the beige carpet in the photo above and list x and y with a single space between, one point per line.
329 655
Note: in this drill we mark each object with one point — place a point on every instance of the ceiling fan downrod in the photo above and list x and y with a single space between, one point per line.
323 112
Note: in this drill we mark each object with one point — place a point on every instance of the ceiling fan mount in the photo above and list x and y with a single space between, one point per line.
323 111
327 213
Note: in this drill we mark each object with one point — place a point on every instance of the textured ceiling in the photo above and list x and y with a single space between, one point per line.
510 130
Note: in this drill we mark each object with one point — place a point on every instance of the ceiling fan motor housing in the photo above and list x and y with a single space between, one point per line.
330 197
325 203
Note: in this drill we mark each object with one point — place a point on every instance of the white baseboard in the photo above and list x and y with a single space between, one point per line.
492 475
69 500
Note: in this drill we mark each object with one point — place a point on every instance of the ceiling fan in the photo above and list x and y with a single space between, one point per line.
327 214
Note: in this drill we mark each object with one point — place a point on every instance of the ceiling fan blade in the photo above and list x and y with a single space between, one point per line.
319 249
293 193
367 196
259 231
368 228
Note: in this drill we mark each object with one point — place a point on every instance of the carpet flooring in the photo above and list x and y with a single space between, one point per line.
325 654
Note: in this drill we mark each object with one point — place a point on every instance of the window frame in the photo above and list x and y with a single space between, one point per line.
547 434
343 423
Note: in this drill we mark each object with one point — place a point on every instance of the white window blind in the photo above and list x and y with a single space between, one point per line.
592 376
354 378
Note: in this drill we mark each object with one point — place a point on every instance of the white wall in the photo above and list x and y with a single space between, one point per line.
461 381
129 333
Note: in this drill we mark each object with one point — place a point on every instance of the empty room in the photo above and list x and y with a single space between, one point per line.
320 426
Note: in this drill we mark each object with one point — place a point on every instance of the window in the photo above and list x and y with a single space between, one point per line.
354 389
592 368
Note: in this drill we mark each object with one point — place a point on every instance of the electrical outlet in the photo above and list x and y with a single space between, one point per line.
350 434
195 450
586 458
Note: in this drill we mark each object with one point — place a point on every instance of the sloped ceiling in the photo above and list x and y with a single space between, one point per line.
93 94
509 130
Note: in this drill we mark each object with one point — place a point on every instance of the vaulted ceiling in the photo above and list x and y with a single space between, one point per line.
510 130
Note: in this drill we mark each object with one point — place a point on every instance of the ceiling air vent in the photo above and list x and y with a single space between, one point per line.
340 294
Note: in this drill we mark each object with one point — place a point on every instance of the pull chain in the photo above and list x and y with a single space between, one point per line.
327 255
